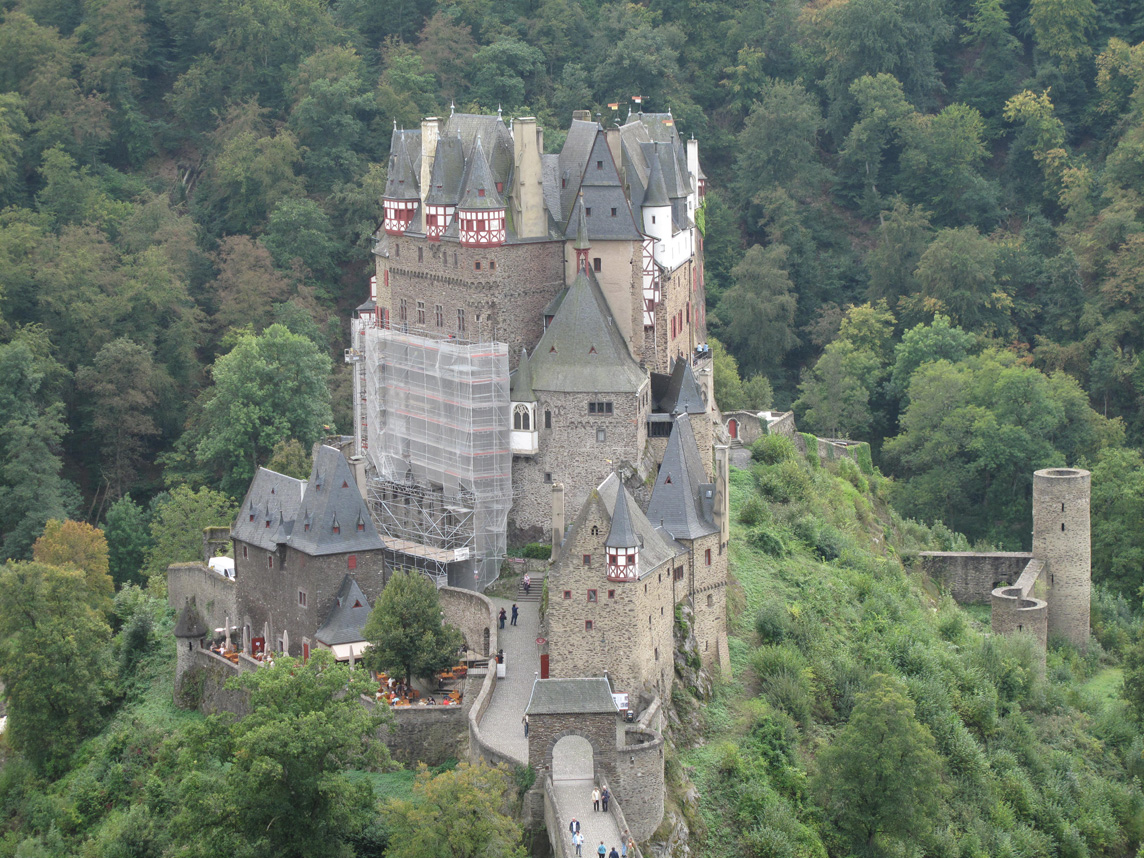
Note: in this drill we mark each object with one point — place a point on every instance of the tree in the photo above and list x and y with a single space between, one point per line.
757 313
52 659
461 813
881 779
903 234
300 230
1061 28
1118 502
1133 690
247 285
268 388
177 523
290 458
406 632
121 384
282 788
128 540
924 344
79 545
778 144
957 276
834 396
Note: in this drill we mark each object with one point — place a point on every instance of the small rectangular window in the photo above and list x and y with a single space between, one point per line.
547 419
596 264
548 476
421 254
476 266
302 598
587 559
587 211
460 321
613 212
270 561
679 573
402 310
440 313
592 595
587 625
707 556
351 562
601 436
421 312
611 594
599 165
567 594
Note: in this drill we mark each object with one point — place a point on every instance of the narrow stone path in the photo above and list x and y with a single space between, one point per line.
502 724
574 799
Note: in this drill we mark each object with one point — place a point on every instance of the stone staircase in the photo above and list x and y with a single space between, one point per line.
533 594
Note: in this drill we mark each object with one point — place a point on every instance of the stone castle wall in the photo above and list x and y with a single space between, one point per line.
707 593
570 454
504 298
631 635
639 780
270 596
971 577
600 729
214 594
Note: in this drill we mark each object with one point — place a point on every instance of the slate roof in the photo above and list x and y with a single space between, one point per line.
574 156
272 500
621 534
656 194
521 388
448 173
347 617
682 395
656 547
402 182
283 506
332 497
583 350
480 190
678 499
585 696
190 623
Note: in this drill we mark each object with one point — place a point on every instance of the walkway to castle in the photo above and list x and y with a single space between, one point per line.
503 728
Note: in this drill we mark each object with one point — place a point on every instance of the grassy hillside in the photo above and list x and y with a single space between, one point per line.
1030 762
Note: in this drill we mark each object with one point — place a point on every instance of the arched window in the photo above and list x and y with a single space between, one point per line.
521 419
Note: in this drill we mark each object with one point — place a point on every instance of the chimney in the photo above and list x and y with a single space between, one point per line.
429 133
529 213
582 115
557 516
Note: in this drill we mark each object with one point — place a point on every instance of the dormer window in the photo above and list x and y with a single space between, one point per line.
480 192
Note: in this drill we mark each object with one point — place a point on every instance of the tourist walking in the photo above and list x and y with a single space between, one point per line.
502 616
514 612
596 799
574 825
604 796
525 720
601 850
613 853
527 583
631 846
578 842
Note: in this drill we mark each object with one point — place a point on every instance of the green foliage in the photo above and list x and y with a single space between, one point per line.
772 449
178 519
465 808
1117 499
128 534
290 458
51 643
408 636
537 551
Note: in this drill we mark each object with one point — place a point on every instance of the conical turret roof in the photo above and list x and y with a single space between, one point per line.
190 623
480 187
522 381
622 534
656 187
402 181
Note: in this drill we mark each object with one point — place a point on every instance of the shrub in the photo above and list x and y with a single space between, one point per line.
754 512
772 449
783 483
772 622
811 449
767 542
850 472
537 551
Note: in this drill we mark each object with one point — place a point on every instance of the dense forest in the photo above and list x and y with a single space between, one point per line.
924 228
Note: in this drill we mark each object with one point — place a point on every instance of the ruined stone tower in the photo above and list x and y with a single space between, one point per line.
1061 539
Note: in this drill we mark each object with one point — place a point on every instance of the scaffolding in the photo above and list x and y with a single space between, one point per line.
434 423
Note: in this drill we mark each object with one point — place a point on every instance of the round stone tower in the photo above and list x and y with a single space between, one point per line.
1061 540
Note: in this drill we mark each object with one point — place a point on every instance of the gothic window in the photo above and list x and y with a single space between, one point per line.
710 601
397 249
460 321
421 312
440 312
595 530
521 421
547 419
403 310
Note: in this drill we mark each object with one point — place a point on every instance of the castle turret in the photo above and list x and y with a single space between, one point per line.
190 632
1061 539
481 213
656 208
401 189
622 545
444 191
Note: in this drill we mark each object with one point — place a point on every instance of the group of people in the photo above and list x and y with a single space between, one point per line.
627 844
600 796
504 615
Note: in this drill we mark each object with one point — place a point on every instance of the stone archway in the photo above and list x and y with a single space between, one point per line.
573 759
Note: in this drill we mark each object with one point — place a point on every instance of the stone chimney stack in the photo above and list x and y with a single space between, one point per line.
429 134
528 209
722 485
557 516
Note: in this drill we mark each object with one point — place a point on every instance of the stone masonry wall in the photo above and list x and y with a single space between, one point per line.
1015 610
473 614
271 595
1061 538
631 635
214 594
426 734
971 578
509 292
570 454
601 731
621 280
708 595
676 294
639 780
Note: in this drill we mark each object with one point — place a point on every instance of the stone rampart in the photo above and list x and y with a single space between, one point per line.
1014 609
971 578
214 594
473 614
639 778
424 734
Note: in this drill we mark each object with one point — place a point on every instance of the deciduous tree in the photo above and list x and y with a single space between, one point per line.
407 634
78 545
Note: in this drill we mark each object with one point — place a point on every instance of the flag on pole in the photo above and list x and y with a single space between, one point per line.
638 99
669 122
613 105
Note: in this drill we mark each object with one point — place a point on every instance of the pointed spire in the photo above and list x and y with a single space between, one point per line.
402 181
480 188
656 187
622 534
522 381
452 107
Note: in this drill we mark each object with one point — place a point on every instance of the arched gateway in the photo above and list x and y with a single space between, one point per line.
580 716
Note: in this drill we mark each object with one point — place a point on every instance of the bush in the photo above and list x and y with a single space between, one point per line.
772 622
850 472
754 512
772 449
537 551
767 542
785 482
